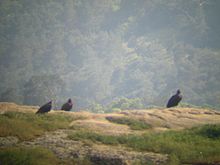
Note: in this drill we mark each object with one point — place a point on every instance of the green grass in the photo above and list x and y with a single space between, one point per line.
134 124
197 145
28 125
27 156
204 106
35 156
94 137
76 161
185 146
210 131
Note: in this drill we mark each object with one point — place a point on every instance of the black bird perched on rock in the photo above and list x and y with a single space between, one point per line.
174 100
45 108
67 106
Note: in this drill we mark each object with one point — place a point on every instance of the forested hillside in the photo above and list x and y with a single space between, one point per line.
96 51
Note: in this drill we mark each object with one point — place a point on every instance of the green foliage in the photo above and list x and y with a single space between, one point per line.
94 137
114 110
41 88
35 156
12 95
77 161
28 125
126 104
187 105
145 49
96 108
187 146
27 156
117 106
205 106
210 131
135 124
173 160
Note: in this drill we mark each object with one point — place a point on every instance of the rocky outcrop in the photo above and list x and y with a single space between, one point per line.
99 154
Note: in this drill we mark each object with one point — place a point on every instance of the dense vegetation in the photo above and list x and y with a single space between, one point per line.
27 126
27 156
97 51
35 156
193 146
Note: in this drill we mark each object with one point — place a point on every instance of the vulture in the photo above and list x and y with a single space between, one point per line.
174 100
67 106
45 108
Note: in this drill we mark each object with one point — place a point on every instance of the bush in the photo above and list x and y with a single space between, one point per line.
126 104
210 131
96 108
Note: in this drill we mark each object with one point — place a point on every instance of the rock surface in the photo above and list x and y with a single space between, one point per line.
99 154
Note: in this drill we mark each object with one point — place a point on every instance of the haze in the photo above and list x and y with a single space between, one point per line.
97 51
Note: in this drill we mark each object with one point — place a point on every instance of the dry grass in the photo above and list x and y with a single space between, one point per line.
22 122
92 128
199 145
102 126
6 107
159 119
176 118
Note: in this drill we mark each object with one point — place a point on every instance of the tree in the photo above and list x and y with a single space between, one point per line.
40 89
12 95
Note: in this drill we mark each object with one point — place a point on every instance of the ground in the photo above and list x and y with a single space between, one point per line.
106 138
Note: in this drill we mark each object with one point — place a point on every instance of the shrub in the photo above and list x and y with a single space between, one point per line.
125 104
96 108
210 131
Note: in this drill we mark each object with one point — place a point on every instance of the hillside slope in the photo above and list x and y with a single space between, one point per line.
127 137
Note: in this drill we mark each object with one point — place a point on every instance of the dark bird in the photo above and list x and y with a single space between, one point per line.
45 108
175 99
67 106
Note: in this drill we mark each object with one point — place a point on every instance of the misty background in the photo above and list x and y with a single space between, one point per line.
116 53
